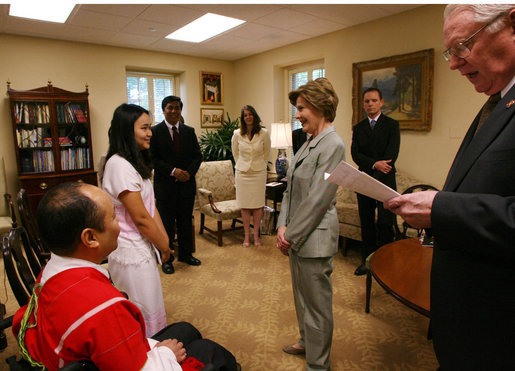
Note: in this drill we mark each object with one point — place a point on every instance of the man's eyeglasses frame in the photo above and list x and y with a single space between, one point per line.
461 50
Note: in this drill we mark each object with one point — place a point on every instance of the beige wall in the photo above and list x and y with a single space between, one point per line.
70 66
258 80
426 155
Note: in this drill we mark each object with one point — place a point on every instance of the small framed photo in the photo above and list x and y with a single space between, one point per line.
211 117
211 88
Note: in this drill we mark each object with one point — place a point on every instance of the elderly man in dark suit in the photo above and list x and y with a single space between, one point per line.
177 157
375 147
473 217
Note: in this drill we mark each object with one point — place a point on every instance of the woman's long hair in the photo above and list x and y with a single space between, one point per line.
256 125
122 141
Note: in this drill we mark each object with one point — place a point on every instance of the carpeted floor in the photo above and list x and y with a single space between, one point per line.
241 298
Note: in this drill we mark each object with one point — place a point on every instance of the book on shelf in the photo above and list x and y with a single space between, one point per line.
79 115
75 158
31 113
42 161
70 116
30 138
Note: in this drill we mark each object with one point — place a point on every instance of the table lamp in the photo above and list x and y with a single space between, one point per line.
281 139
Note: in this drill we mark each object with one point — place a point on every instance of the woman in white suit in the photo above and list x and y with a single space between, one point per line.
308 224
250 148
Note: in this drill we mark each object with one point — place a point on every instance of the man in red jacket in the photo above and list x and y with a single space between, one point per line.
75 313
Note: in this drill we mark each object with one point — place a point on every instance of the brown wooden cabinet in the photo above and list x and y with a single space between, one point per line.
52 138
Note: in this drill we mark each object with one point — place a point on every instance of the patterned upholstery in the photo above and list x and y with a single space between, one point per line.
215 181
347 207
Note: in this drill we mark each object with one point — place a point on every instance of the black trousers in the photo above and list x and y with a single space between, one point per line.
176 211
212 355
374 235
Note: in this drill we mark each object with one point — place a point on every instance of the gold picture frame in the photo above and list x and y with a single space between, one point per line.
211 117
406 83
211 88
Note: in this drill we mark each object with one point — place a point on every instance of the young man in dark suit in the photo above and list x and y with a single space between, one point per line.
177 157
473 218
298 138
375 147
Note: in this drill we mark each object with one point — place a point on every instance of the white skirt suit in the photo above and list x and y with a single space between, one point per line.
251 157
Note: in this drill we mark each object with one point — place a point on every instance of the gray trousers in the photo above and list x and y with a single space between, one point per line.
313 296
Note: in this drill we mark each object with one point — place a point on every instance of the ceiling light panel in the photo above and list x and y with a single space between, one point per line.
205 27
48 10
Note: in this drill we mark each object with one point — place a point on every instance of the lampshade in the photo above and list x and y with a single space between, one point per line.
281 135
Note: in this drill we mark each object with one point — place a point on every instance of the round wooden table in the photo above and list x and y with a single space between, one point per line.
403 268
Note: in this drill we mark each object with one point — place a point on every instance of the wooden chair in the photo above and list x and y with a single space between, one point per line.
404 233
5 214
216 194
29 223
19 260
21 264
12 212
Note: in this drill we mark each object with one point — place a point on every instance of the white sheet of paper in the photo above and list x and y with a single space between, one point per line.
348 176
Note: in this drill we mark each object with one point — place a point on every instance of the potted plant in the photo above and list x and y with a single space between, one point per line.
215 144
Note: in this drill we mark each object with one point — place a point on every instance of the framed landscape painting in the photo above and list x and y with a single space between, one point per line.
406 83
211 88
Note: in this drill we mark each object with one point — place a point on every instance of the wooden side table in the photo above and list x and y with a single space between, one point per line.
403 268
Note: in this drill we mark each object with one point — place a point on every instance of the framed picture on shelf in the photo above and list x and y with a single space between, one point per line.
406 83
211 88
211 117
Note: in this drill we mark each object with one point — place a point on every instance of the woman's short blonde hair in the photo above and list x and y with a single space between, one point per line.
320 94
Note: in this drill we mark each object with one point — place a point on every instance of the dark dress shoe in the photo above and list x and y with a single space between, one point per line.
190 260
290 349
168 267
361 270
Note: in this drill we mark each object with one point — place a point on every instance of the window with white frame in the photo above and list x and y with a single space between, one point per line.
148 91
299 76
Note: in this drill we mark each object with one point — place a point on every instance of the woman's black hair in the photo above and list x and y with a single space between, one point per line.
122 141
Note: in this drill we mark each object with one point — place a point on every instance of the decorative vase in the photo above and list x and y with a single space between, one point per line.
281 164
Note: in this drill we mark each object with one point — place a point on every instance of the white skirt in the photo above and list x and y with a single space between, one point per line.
250 189
142 283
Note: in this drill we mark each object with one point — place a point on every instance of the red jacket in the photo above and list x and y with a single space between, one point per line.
81 315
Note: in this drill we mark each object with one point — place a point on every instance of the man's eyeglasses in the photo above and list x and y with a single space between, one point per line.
461 50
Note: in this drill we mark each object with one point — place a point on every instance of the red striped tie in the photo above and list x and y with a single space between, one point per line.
176 139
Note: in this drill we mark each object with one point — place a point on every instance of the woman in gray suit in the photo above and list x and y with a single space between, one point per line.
308 224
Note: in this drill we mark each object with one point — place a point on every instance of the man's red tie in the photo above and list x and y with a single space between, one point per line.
176 139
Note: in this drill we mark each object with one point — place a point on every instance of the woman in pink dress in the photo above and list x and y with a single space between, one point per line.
126 179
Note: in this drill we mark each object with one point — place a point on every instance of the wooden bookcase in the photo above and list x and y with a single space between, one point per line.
52 138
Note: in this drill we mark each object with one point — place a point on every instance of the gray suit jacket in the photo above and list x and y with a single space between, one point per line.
308 207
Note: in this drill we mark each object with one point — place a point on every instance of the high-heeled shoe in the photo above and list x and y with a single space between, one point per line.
245 244
257 243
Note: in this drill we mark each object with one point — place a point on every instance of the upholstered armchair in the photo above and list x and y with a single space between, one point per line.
217 195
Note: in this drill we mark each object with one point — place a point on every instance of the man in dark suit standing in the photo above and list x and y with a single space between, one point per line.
375 147
298 137
473 218
177 157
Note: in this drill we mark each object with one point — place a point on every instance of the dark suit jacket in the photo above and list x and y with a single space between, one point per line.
382 143
298 138
165 160
473 270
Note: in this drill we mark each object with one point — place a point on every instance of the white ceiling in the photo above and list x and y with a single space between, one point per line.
144 26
